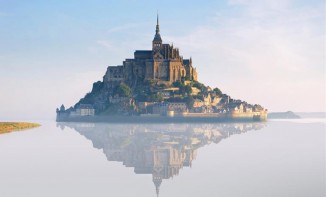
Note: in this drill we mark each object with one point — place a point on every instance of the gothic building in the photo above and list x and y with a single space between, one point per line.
162 64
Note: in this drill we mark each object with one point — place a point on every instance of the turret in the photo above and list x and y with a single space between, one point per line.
62 108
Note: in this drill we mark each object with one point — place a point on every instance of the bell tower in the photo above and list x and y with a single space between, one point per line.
157 42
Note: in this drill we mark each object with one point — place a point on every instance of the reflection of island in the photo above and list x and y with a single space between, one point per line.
157 149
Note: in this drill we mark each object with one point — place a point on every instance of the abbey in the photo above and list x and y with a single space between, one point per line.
163 64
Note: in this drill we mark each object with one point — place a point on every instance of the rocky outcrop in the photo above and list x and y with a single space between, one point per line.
283 115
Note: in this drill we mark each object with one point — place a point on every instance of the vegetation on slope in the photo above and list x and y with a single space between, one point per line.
123 90
143 91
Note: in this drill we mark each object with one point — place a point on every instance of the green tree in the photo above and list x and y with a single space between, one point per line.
189 100
183 79
188 90
218 92
177 84
158 97
162 86
182 90
142 97
123 90
200 86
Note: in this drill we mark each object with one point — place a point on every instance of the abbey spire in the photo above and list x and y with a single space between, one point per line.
157 26
157 42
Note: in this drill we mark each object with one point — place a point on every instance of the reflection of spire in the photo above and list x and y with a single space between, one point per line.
157 182
157 178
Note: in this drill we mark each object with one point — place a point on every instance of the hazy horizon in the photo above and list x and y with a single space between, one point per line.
267 52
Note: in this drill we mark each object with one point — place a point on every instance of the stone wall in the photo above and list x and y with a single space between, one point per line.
162 70
114 73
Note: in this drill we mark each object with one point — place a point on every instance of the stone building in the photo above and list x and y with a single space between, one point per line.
164 108
163 64
83 110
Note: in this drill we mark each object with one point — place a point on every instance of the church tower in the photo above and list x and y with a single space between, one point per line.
157 42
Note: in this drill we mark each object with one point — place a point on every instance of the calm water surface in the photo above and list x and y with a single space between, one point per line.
277 158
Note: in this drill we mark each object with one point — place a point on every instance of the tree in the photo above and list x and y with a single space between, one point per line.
187 78
123 90
200 86
183 79
158 97
182 90
188 90
177 84
218 92
189 102
142 97
150 83
162 85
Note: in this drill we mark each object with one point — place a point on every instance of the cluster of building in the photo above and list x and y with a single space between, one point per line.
213 105
207 104
80 110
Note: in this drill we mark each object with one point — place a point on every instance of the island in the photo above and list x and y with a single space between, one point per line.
157 85
7 127
283 115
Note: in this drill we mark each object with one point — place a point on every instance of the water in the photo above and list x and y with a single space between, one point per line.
277 158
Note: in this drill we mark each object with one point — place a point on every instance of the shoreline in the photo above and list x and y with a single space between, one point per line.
159 119
7 127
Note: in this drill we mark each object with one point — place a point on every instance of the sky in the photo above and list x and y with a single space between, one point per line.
261 51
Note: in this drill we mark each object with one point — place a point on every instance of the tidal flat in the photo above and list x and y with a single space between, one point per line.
6 127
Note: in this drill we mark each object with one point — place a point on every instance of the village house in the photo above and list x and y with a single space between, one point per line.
248 108
198 103
194 91
177 107
164 108
235 107
117 99
143 106
215 100
160 108
83 110
207 99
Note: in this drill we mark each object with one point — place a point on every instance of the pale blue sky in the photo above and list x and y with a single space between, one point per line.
266 52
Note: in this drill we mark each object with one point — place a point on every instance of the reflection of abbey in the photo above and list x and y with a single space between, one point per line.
163 63
161 150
